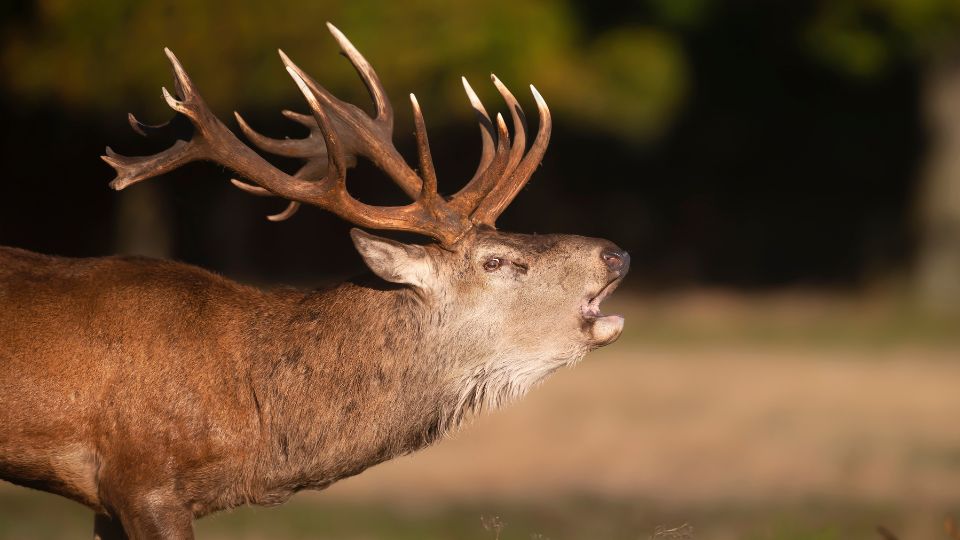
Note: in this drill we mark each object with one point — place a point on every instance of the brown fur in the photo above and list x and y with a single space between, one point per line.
155 392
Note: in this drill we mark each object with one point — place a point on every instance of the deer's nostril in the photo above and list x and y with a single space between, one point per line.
616 260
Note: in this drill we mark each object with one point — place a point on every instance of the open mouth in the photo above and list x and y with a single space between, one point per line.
591 307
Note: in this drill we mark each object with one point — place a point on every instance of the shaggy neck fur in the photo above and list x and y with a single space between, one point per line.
352 388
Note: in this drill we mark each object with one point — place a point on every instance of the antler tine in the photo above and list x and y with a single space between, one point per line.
427 171
336 162
133 169
504 192
367 73
252 189
467 199
312 169
295 148
303 119
486 129
184 87
519 124
146 130
287 212
310 148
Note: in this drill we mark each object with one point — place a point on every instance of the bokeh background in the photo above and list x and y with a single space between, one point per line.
786 176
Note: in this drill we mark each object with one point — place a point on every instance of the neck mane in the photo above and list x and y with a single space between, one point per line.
366 372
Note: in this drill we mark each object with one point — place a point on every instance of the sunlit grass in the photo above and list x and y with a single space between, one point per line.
29 514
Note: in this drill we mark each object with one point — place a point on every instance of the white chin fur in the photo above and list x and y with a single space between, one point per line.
606 330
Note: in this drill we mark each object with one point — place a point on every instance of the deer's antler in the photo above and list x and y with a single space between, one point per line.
339 133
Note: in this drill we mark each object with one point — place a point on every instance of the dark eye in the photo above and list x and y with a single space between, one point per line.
492 264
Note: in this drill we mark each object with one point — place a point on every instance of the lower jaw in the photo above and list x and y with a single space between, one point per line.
605 329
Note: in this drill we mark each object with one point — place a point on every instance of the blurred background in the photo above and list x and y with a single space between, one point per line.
786 176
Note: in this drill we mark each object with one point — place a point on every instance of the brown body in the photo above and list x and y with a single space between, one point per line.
126 373
141 387
156 392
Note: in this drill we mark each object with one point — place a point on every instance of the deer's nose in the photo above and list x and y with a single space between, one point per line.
616 260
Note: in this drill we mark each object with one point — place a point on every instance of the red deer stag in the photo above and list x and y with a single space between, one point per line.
155 392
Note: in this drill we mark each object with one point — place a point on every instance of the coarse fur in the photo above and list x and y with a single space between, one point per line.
156 392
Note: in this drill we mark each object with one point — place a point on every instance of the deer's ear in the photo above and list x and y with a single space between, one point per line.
394 261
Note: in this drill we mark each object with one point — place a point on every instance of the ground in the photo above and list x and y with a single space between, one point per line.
789 416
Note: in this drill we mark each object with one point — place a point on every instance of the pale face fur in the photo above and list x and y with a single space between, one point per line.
515 307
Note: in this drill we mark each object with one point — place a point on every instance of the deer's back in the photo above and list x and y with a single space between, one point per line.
97 354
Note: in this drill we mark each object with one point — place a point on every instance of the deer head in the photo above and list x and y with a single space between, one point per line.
530 302
506 309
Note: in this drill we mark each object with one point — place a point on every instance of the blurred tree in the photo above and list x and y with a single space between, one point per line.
616 72
627 80
865 39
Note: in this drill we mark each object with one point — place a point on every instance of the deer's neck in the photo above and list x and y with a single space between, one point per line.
352 381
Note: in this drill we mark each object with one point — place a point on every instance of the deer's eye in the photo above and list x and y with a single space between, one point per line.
492 264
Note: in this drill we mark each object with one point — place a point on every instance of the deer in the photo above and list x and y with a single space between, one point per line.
155 392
